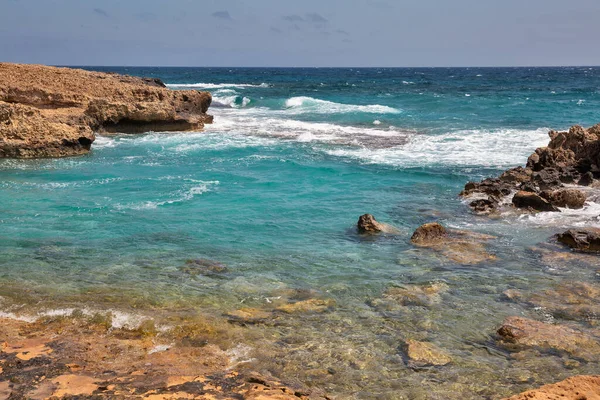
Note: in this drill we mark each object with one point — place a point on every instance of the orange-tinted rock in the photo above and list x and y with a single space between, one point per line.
367 224
574 388
53 112
586 240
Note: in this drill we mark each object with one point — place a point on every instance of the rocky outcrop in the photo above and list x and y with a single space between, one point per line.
585 240
54 112
574 388
367 224
571 157
429 233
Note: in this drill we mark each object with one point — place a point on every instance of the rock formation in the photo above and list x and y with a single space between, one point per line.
54 112
585 240
571 157
368 224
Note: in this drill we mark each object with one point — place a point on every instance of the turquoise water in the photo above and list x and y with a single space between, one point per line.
273 189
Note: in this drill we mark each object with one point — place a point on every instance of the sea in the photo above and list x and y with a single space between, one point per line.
272 190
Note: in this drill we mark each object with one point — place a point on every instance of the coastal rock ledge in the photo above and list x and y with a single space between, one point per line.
55 112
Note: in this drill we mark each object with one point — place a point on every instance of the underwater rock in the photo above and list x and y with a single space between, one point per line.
462 247
422 354
307 306
367 224
570 198
414 295
54 112
248 315
577 301
203 266
585 240
532 201
519 332
574 388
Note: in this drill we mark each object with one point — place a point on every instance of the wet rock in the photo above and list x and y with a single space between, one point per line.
547 178
248 315
574 388
421 354
368 224
586 179
526 333
458 246
203 266
307 306
429 233
484 206
585 240
517 175
532 201
416 295
570 198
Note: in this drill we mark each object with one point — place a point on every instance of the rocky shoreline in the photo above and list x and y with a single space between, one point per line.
55 112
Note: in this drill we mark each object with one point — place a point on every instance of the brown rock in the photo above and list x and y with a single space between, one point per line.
517 175
570 198
248 315
574 388
307 306
422 354
532 201
586 240
203 266
368 224
429 233
52 112
523 332
417 295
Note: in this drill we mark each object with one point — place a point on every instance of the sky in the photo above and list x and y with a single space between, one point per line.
308 33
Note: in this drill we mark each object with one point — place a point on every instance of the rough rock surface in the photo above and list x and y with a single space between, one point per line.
574 388
54 112
571 157
368 224
526 333
64 358
585 240
462 247
529 200
422 354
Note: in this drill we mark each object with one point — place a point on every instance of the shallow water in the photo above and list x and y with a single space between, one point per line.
273 189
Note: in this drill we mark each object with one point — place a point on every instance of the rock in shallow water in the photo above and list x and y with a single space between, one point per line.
586 240
569 198
521 332
421 354
532 201
574 388
368 224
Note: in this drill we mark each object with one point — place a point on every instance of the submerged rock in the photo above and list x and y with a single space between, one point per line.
368 224
574 388
54 112
527 333
585 240
203 266
248 315
421 354
307 306
413 295
532 201
459 246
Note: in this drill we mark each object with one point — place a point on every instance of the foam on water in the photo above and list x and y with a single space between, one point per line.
305 104
217 85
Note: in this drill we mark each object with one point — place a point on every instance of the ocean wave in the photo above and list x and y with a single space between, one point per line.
496 149
311 105
233 101
217 85
179 196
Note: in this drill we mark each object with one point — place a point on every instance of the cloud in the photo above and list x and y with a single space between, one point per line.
316 18
293 18
146 16
222 15
101 12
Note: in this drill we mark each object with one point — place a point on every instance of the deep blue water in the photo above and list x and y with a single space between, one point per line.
273 189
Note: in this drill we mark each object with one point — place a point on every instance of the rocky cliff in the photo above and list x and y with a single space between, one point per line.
54 112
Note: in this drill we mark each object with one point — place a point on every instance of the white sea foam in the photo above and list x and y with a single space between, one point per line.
501 148
305 104
588 216
179 196
217 85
